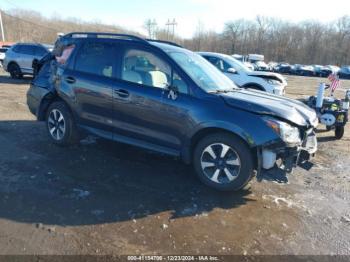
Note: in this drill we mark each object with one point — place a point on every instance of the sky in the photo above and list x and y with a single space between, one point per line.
212 14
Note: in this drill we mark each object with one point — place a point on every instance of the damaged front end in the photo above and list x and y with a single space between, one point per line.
297 144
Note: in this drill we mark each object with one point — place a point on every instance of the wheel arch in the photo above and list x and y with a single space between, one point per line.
46 101
200 134
12 62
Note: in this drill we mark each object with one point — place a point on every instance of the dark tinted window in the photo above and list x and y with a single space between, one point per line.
16 48
40 51
95 58
211 59
27 49
219 63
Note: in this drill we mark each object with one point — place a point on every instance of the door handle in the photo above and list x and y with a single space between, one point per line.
121 93
70 80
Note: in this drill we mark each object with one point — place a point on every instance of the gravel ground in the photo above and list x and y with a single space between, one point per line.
107 198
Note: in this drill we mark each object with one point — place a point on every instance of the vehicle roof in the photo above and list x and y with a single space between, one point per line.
75 37
35 44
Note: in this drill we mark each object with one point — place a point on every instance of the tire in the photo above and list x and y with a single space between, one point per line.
339 132
237 161
60 125
15 71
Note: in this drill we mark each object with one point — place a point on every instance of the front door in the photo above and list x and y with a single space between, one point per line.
141 101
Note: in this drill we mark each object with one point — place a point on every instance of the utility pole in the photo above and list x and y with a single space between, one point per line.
2 27
171 24
151 28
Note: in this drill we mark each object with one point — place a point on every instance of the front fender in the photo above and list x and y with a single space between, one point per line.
253 131
229 127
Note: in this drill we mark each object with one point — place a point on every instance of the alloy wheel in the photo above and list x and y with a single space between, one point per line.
56 124
220 163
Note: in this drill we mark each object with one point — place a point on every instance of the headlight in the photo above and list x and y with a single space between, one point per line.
272 81
288 133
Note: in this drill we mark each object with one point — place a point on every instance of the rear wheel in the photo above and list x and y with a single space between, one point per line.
339 132
60 125
15 71
223 162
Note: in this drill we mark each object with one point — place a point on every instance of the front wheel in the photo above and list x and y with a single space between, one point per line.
339 132
60 125
224 162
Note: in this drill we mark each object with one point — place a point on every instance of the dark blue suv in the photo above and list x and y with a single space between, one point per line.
159 96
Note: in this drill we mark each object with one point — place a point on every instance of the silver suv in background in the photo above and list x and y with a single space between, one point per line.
21 56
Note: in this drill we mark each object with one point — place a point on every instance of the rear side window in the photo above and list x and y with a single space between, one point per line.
95 58
16 48
27 49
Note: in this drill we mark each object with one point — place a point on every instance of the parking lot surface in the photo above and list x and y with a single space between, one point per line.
107 198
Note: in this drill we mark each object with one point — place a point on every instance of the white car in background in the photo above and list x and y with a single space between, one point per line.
2 54
244 77
249 65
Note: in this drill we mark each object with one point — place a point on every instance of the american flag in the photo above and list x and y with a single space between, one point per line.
335 82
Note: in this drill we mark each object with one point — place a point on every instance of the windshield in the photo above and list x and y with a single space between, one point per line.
204 74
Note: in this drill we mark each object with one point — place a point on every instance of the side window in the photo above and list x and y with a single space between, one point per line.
218 63
225 66
16 48
179 83
211 59
145 68
40 51
95 58
27 49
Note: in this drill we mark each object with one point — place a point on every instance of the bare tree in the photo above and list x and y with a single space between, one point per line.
309 42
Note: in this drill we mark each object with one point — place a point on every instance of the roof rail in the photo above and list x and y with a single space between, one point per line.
102 35
164 42
113 35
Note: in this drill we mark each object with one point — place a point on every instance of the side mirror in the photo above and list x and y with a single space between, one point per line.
231 70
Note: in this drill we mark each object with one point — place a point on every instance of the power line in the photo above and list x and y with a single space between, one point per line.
12 4
30 22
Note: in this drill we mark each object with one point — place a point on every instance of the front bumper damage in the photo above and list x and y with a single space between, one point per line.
287 156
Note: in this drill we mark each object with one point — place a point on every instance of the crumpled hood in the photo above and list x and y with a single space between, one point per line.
268 75
263 103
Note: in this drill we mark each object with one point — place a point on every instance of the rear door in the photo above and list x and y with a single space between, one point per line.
89 85
25 58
